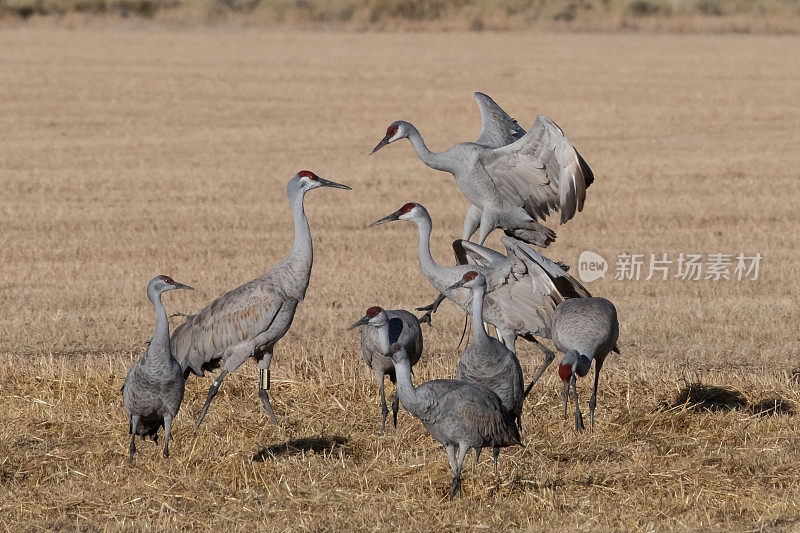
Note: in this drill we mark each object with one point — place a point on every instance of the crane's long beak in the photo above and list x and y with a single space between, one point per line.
182 286
388 218
328 183
361 322
380 145
456 285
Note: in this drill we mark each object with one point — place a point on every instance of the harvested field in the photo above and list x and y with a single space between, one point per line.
127 154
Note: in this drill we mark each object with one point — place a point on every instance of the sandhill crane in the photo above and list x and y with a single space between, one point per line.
584 330
523 287
487 361
458 414
154 386
248 321
382 328
510 186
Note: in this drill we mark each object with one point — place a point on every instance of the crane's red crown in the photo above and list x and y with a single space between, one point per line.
308 174
469 276
391 130
407 208
167 279
374 311
564 372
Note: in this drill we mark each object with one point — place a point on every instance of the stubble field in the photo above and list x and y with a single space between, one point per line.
126 154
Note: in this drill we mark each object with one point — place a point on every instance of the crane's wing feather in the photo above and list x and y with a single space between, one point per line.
479 409
531 288
497 127
565 284
541 172
237 316
470 253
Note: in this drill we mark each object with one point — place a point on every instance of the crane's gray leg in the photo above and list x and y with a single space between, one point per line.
487 225
167 432
451 456
508 338
495 455
234 361
134 424
395 407
430 308
471 222
212 391
593 402
579 427
477 458
549 357
456 485
384 409
263 385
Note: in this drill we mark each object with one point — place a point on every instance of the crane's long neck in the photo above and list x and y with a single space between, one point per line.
383 338
302 247
159 344
480 334
425 227
406 390
296 268
439 276
439 161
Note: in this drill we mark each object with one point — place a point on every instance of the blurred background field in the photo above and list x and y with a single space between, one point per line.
738 16
126 153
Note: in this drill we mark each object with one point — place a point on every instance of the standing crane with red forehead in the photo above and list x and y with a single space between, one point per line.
247 321
382 328
513 179
154 385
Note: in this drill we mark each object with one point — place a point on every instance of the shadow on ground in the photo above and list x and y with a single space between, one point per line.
296 446
702 397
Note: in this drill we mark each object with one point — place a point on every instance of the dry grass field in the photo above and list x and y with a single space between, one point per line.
126 154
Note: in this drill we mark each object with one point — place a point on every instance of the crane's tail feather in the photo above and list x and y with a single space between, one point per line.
535 234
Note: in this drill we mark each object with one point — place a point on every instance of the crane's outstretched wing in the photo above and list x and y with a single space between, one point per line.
566 285
237 316
541 172
497 128
469 253
530 286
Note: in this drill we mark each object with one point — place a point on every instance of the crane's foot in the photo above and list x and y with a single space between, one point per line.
133 447
166 450
579 427
384 414
425 319
262 394
395 409
455 487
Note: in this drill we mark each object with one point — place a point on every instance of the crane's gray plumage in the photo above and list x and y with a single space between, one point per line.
584 330
382 328
458 414
510 186
523 287
248 321
487 361
154 385
497 127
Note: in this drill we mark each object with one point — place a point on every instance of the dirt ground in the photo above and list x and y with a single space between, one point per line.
126 154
